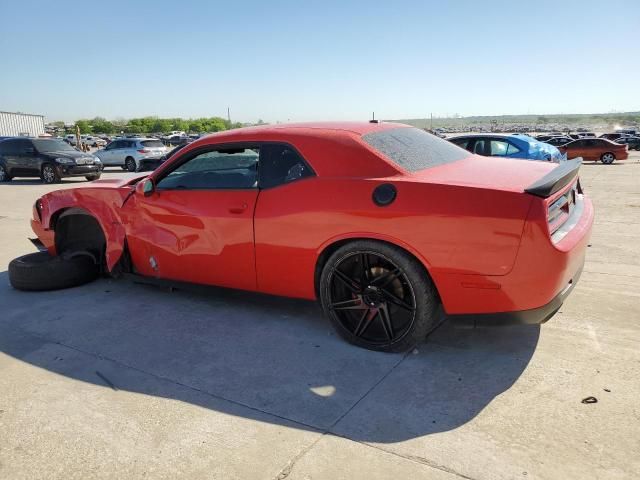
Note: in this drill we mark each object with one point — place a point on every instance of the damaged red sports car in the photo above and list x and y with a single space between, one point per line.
383 223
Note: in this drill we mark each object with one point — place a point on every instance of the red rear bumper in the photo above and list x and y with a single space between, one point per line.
543 275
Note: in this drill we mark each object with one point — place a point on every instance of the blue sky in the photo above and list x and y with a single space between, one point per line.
307 60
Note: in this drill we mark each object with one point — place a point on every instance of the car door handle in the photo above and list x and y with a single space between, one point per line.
238 209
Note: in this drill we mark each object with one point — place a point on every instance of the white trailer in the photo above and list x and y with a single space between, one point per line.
21 124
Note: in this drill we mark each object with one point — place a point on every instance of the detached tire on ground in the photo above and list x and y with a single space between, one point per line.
39 271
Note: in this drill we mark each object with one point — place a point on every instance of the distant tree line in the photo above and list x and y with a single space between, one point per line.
153 125
609 119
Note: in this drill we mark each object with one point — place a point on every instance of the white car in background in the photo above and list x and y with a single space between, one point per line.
91 141
133 154
88 140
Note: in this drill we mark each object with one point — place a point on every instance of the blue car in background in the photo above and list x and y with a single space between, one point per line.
510 146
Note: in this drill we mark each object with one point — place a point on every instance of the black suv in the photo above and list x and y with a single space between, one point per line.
48 159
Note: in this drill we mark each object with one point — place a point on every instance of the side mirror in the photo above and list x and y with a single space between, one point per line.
145 187
148 187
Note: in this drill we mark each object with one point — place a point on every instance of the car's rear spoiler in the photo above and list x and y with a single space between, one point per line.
557 178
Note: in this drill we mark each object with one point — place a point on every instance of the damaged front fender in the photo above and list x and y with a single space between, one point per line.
103 203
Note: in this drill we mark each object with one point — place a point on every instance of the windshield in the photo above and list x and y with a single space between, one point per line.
52 146
414 149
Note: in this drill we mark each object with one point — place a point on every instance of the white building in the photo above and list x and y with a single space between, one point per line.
21 124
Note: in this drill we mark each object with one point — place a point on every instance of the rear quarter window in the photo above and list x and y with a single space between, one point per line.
414 149
152 143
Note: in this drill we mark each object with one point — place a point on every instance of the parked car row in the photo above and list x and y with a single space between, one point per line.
87 140
607 148
512 146
550 147
54 159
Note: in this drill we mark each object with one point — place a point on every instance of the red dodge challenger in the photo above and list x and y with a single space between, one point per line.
383 223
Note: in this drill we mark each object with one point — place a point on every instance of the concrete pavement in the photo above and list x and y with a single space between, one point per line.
120 380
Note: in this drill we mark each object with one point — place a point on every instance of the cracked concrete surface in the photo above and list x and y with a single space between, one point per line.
120 380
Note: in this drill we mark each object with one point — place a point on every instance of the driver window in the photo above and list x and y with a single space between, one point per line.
227 168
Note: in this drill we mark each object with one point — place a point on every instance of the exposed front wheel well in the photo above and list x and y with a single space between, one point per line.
329 249
77 232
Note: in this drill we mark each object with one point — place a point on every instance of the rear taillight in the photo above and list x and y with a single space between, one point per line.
558 213
143 150
560 209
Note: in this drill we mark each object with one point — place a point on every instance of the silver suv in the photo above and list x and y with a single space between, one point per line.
133 154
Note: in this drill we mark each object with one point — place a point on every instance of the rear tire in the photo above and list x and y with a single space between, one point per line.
4 175
49 174
130 164
607 158
39 272
390 308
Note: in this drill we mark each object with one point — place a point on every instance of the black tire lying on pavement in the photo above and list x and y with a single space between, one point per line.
39 271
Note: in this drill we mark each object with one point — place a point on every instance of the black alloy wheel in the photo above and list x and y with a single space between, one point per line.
49 174
378 297
130 164
4 175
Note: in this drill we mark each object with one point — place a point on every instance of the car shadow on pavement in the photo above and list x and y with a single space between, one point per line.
265 358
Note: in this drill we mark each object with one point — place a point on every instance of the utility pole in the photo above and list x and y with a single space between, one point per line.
229 116
78 142
431 121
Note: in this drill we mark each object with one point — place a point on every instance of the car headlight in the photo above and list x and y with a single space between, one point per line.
65 161
96 160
